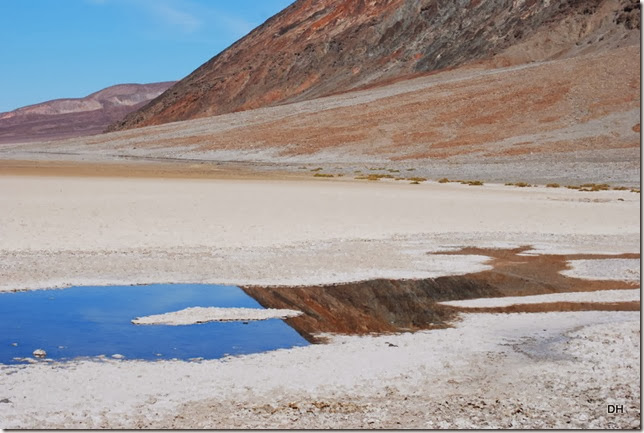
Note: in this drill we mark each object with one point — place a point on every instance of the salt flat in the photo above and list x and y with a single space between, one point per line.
59 231
518 369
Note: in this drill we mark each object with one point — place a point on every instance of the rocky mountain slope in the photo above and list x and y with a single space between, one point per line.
315 48
73 117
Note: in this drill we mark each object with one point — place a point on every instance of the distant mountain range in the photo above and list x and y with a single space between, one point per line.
316 48
73 117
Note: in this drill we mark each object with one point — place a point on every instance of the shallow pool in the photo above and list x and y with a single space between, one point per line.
93 321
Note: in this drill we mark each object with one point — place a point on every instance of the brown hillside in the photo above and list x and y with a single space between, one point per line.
320 47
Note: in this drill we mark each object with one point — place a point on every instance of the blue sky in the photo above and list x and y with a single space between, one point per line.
70 48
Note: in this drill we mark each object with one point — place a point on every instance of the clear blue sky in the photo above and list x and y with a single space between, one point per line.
70 48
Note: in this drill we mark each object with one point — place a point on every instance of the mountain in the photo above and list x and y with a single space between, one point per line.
73 117
316 48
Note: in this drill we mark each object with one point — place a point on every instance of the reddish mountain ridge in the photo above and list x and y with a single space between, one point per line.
315 48
73 117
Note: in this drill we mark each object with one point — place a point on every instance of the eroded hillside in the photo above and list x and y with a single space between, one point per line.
317 48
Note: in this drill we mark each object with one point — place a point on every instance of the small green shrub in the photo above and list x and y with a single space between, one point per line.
443 180
322 175
317 169
553 185
417 179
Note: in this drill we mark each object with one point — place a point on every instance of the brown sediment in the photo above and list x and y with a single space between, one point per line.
547 307
515 273
382 306
151 168
375 306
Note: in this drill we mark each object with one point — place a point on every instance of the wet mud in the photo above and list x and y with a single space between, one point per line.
383 306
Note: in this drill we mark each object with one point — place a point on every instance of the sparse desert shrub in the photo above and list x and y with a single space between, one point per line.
553 185
636 190
303 167
375 177
393 170
317 169
443 180
322 175
414 183
573 187
620 188
400 178
358 171
411 169
472 182
588 187
377 169
522 184
600 188
595 187
417 179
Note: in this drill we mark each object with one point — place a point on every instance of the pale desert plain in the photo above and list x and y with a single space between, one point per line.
537 370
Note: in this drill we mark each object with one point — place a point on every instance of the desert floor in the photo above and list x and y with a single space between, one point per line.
538 370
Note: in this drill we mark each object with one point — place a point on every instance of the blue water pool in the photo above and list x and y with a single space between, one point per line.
92 321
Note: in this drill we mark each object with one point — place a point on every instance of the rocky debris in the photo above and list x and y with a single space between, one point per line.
39 353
